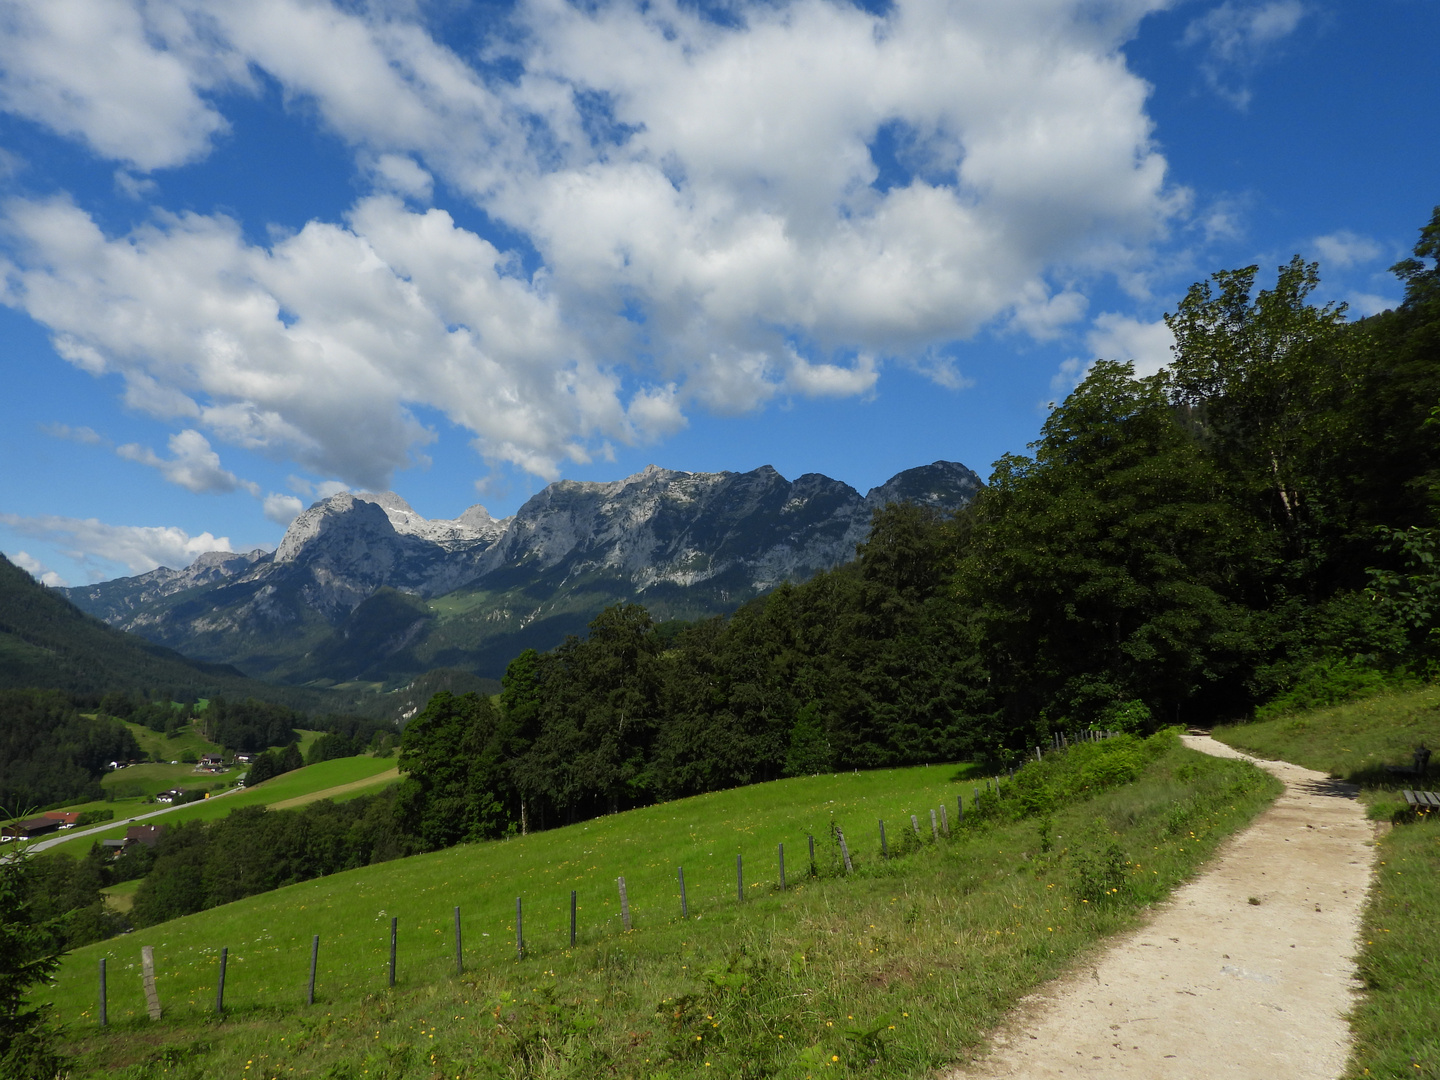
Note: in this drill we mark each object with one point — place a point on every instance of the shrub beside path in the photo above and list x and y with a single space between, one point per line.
1217 984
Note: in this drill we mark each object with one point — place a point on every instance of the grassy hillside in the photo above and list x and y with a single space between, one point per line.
894 970
1354 741
188 740
150 779
1397 1020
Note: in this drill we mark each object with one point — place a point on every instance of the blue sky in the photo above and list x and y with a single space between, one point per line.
251 254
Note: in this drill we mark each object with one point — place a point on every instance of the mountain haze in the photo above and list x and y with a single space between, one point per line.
362 588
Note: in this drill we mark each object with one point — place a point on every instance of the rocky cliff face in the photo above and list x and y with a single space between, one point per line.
361 567
118 600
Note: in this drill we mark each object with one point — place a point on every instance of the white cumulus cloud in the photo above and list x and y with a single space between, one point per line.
1113 336
1345 248
706 202
1119 337
192 465
1237 37
124 78
282 509
139 548
36 569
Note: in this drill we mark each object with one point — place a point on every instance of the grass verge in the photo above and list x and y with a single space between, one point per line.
1354 741
1397 1020
895 970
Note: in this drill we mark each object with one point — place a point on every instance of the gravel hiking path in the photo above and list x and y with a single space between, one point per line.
1217 985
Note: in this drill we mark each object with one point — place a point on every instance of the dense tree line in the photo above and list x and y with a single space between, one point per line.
199 865
250 725
50 754
1255 524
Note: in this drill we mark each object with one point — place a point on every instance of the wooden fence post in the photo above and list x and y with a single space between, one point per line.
884 848
844 849
314 961
220 986
915 824
147 972
944 820
934 828
572 918
394 923
811 838
959 808
103 1019
782 867
684 906
624 904
740 878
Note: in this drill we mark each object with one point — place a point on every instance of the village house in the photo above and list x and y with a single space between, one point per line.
30 828
149 835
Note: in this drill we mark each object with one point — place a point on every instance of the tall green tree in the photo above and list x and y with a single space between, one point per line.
458 783
599 713
1110 568
27 960
1264 381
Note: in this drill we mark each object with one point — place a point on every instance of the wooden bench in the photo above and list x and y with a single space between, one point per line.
1423 800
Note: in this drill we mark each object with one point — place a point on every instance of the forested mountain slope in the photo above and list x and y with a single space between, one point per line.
47 642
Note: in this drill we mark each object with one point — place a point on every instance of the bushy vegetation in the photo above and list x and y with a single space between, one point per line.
250 724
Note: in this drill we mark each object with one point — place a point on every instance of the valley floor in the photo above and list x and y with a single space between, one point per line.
1248 971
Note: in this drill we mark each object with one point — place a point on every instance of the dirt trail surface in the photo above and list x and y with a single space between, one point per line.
340 789
1217 986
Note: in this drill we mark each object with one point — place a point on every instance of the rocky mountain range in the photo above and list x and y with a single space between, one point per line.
364 589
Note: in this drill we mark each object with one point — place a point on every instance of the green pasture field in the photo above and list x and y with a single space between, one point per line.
895 970
291 785
152 778
1397 1019
121 897
187 740
307 739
